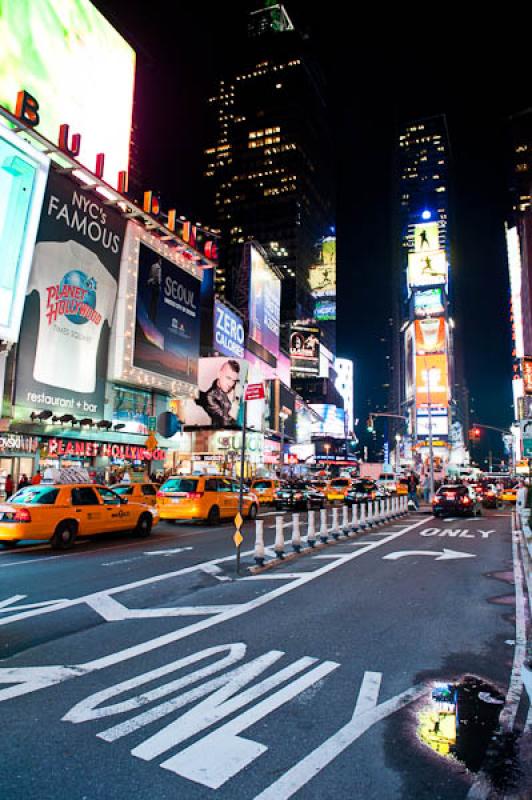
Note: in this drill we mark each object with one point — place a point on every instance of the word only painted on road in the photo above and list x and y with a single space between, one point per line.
457 533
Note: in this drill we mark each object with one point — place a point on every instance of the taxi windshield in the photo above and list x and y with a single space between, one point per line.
33 495
180 485
123 489
261 484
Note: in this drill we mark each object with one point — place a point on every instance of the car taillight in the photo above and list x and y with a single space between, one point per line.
465 500
22 515
160 494
194 495
434 500
490 494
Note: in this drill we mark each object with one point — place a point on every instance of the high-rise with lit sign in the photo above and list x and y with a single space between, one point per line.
429 390
267 165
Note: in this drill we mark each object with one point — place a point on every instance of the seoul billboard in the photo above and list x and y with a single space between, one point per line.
432 380
23 173
322 275
78 67
70 304
264 303
228 331
157 331
304 348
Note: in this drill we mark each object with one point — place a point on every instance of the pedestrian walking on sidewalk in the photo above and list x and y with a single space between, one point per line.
412 489
426 489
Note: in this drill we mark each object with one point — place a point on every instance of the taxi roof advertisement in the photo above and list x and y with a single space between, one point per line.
63 347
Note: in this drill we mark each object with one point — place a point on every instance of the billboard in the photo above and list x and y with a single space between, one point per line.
264 303
426 237
167 318
228 331
305 348
219 399
427 263
432 380
526 370
23 173
325 309
430 335
428 303
439 421
63 346
78 67
333 420
322 275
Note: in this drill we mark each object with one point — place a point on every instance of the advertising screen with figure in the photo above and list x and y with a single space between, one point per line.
264 303
304 348
63 347
78 67
219 397
23 172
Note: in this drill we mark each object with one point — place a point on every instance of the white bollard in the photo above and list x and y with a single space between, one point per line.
363 513
296 533
355 517
345 520
323 525
311 529
371 514
279 537
259 542
335 530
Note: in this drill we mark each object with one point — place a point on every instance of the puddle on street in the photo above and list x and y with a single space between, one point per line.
460 722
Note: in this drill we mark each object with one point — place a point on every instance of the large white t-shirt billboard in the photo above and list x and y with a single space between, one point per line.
167 325
62 352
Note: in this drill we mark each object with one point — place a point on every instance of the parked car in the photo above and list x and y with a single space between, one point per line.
299 496
60 513
139 492
265 489
207 498
361 491
456 500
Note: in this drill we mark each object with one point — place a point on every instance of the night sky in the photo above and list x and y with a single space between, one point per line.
379 71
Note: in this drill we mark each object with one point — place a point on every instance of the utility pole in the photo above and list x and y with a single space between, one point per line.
431 450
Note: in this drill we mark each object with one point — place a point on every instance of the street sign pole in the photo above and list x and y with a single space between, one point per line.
241 488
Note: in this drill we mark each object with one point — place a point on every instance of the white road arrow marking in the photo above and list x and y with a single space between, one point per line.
446 555
167 552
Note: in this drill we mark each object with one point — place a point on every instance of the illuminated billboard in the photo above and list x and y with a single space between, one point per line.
77 66
332 422
430 335
325 309
322 276
428 303
426 269
432 380
228 331
218 402
426 237
305 348
70 305
439 422
157 328
23 173
264 303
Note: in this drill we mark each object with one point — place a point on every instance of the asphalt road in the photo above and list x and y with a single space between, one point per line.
149 669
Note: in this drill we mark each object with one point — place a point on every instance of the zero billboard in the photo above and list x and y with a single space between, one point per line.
229 336
219 397
64 335
78 67
157 332
432 380
264 303
304 348
23 173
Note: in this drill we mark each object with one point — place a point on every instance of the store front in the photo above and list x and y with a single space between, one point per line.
19 455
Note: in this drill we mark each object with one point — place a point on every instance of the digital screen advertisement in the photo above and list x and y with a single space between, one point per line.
78 67
426 269
23 173
426 237
430 335
325 310
439 421
64 336
432 380
264 303
305 348
219 399
229 334
333 423
167 323
428 302
322 275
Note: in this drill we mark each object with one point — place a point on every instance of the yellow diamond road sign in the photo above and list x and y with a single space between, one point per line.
238 521
238 538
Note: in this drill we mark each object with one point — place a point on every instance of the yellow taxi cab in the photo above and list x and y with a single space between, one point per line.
509 495
337 488
207 498
265 489
138 492
61 512
401 488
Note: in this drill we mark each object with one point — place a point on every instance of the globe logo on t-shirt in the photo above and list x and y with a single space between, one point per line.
79 280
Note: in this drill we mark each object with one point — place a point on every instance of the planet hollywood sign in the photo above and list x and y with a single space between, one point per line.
126 452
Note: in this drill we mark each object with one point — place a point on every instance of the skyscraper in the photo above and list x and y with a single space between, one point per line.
431 392
268 164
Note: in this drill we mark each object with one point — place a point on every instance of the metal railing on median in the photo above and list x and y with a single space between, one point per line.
330 524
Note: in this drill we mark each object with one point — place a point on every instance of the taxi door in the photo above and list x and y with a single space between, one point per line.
118 516
87 510
228 498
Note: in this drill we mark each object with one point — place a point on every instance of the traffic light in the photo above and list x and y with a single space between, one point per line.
474 434
369 425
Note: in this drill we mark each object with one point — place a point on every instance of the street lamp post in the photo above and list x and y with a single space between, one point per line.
431 450
283 416
397 453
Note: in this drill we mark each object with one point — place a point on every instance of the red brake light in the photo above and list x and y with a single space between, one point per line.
466 500
160 494
434 500
194 495
22 515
